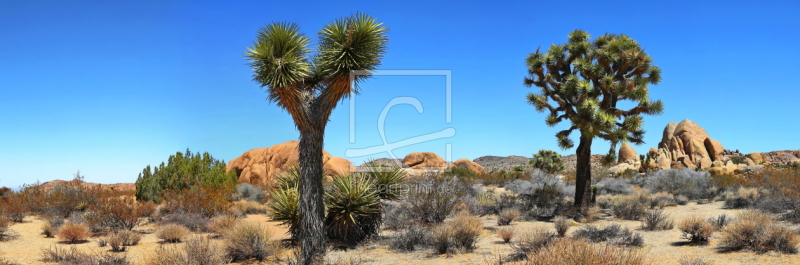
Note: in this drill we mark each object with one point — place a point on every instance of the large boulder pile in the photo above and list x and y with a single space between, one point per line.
259 166
466 163
686 144
424 160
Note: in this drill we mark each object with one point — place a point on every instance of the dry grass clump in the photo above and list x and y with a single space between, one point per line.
459 233
561 223
120 239
507 216
196 251
411 238
591 215
194 221
570 251
742 198
506 234
695 261
222 224
662 199
696 229
720 221
614 234
631 207
172 233
72 233
72 256
757 231
249 207
51 225
533 240
4 230
248 240
656 220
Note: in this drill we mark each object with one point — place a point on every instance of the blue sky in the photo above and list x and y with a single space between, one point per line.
108 87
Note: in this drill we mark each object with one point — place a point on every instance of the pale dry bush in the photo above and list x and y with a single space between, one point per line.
249 207
589 216
506 234
571 251
220 225
119 240
656 220
74 233
196 251
249 240
459 233
696 229
759 232
533 240
695 261
507 216
561 223
172 233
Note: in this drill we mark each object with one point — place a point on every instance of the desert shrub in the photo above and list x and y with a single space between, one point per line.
656 220
248 192
695 261
547 161
459 233
182 171
4 230
738 159
74 233
353 210
463 173
484 202
411 238
172 233
507 216
284 208
757 231
396 216
506 234
248 240
533 240
629 208
687 182
193 221
196 251
661 200
743 198
51 225
249 207
720 221
387 180
205 200
591 215
570 251
681 200
695 229
220 225
613 234
541 190
120 239
432 198
114 212
72 256
12 207
561 223
614 186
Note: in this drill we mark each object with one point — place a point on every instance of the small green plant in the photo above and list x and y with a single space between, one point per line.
739 159
388 180
547 161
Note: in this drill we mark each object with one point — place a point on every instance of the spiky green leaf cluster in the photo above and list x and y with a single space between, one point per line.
582 81
387 180
547 161
353 209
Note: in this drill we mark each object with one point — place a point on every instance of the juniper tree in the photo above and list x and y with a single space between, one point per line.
308 84
547 161
582 81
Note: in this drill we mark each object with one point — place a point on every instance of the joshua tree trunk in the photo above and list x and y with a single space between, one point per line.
312 230
583 181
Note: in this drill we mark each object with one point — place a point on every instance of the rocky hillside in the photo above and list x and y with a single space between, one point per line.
47 186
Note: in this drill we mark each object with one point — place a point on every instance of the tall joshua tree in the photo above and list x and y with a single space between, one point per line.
582 81
308 84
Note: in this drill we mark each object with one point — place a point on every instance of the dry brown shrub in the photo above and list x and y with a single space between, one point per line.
120 239
222 224
561 223
74 233
506 234
571 251
696 229
533 240
507 216
249 240
206 201
249 207
172 233
757 231
459 233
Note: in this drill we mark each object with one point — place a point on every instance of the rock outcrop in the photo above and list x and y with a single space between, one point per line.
466 163
417 160
260 165
689 145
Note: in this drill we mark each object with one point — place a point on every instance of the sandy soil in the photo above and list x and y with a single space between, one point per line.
662 247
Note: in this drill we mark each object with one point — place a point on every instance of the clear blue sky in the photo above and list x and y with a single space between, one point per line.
108 87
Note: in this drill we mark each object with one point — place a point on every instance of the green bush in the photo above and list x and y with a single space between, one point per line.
182 171
547 161
353 209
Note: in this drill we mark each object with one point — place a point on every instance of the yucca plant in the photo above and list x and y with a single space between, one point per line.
289 178
387 180
354 209
283 205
